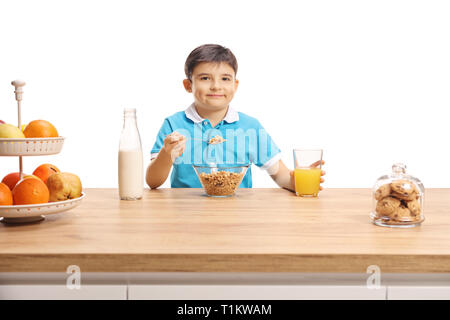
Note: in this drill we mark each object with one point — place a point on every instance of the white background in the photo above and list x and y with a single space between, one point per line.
367 81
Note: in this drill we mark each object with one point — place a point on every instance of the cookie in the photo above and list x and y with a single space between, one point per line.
387 206
383 191
405 197
403 186
402 214
413 206
404 190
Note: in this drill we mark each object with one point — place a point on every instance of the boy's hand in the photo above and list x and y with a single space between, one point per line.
174 145
315 164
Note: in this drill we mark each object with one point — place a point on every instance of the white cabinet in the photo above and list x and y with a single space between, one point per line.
253 292
61 292
223 286
418 293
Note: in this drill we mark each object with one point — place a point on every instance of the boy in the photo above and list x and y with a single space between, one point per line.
183 138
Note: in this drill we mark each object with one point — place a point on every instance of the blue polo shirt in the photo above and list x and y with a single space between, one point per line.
247 142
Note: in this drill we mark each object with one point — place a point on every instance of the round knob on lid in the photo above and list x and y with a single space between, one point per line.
399 168
18 84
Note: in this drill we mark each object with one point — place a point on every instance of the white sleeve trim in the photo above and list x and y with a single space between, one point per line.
271 162
153 155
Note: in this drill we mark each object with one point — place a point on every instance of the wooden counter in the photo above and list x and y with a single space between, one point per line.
258 230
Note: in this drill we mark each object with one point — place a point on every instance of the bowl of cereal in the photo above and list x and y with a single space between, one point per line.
220 181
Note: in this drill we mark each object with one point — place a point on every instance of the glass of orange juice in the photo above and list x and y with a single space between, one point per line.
307 171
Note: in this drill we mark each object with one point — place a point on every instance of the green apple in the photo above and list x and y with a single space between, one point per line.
10 131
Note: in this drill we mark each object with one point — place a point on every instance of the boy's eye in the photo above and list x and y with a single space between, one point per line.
204 78
226 79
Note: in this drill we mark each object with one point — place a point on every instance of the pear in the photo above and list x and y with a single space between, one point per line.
9 131
64 186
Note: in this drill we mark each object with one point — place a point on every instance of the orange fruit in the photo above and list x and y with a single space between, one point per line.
45 170
40 129
30 176
11 179
30 191
6 198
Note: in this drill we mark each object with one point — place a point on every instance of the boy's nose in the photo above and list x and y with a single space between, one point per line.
215 85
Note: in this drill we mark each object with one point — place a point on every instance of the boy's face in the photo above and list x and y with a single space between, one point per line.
213 85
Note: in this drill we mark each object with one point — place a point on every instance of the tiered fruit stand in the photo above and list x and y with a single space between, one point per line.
31 147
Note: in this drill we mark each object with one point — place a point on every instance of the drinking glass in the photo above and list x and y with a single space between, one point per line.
307 171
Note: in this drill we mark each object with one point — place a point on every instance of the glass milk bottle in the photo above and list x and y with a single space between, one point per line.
131 166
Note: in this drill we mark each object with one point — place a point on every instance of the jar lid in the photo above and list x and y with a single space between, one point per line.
399 174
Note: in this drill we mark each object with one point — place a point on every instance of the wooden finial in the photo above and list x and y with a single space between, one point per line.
18 84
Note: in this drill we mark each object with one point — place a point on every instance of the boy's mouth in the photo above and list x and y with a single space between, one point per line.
215 95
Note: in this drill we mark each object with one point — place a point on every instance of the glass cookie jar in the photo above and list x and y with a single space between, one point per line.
397 199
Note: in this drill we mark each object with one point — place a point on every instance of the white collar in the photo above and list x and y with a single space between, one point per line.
191 113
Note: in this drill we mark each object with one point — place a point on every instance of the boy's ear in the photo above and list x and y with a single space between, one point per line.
187 85
236 84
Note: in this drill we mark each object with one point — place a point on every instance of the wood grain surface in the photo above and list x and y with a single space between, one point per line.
258 230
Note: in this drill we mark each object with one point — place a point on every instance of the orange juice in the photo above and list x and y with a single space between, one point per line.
307 181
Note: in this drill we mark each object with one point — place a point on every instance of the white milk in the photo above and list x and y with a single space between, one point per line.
131 174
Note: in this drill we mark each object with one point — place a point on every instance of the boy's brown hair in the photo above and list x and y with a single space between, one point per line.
209 53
